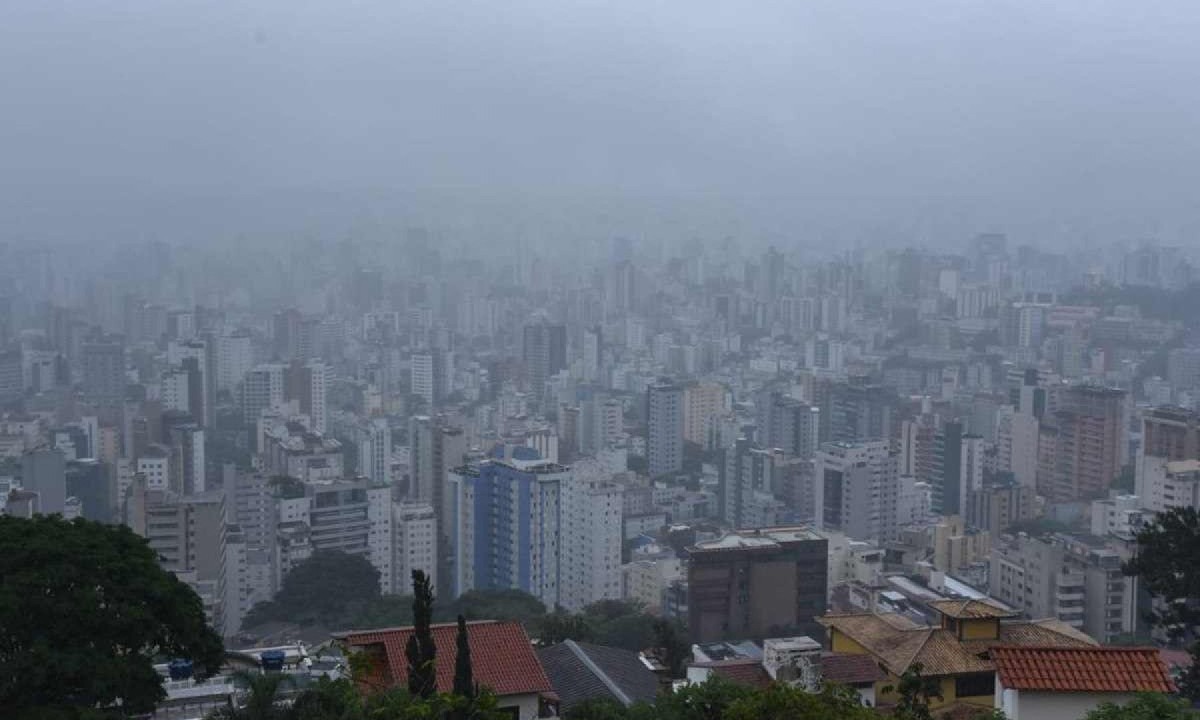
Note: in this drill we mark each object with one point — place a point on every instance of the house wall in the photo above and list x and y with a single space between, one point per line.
946 686
527 705
980 629
844 644
1030 705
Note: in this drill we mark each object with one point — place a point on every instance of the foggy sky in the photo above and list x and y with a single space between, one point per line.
1011 112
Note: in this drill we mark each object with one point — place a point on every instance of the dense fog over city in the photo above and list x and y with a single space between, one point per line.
561 360
862 122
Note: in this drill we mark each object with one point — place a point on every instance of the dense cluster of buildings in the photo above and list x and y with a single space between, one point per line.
746 444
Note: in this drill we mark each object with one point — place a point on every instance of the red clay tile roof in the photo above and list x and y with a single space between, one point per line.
742 671
847 669
501 655
1078 669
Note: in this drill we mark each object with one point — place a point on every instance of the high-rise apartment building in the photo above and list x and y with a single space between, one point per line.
1075 580
533 526
702 402
353 516
198 357
757 584
857 490
747 481
235 357
371 440
544 352
590 545
104 373
947 470
262 388
504 528
434 449
422 376
789 424
44 472
415 545
664 428
1017 445
1086 445
189 536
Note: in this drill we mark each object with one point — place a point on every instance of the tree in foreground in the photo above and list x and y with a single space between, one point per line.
420 650
784 702
85 609
328 588
1166 564
464 674
1145 707
915 692
261 699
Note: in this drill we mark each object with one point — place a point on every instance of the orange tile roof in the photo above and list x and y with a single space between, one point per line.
1097 669
501 655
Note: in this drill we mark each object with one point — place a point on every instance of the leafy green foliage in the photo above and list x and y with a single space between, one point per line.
597 709
1166 564
330 588
341 700
916 692
710 700
669 638
615 623
85 608
783 702
396 610
495 605
1145 707
261 700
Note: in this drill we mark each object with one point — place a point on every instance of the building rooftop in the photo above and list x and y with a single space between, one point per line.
898 643
851 670
760 538
502 656
1082 669
582 671
971 609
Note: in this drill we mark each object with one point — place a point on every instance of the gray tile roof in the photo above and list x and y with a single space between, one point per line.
582 671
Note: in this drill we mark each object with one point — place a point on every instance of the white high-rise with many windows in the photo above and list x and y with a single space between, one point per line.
590 560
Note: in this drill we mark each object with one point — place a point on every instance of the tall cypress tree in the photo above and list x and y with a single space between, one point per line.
420 650
464 675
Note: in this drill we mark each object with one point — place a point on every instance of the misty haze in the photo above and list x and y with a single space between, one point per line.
599 361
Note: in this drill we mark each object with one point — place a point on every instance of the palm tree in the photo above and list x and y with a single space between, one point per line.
261 698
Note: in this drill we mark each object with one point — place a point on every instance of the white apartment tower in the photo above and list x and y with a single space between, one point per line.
857 490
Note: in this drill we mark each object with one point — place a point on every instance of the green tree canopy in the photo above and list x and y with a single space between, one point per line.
784 702
1166 564
1145 707
85 609
330 588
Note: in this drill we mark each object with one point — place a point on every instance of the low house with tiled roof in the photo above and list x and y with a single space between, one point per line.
956 651
502 658
1056 683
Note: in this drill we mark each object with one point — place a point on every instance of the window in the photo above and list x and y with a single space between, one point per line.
974 685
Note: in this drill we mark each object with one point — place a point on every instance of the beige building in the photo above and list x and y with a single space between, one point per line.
702 403
955 548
